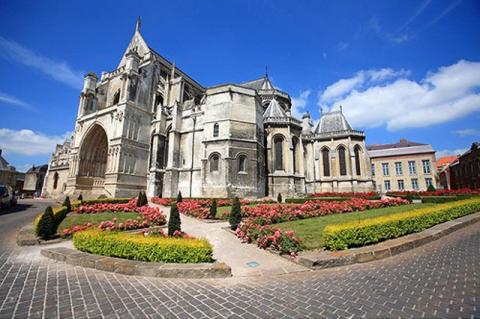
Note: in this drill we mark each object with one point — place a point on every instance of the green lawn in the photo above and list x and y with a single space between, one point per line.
223 212
310 231
81 219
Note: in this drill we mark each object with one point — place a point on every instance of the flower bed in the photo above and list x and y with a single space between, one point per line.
256 226
200 208
367 195
373 230
156 248
150 216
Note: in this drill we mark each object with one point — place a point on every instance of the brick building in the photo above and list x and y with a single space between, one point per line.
465 172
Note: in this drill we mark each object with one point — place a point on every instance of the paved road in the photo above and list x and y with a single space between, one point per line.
438 280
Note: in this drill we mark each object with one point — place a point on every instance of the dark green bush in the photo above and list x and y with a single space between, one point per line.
174 222
306 199
235 214
139 247
279 198
213 209
179 197
102 196
46 228
67 204
80 197
142 199
431 188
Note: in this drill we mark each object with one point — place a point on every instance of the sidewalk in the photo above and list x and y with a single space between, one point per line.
244 259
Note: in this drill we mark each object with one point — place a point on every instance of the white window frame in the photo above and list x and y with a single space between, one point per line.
426 167
385 169
398 168
412 167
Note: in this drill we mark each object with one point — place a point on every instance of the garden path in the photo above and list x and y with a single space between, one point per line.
244 259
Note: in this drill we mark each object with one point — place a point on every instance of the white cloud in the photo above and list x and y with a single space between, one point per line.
8 99
299 103
342 46
467 132
443 153
447 94
27 142
60 71
344 86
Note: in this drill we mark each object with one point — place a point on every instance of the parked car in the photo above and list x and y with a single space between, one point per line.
7 196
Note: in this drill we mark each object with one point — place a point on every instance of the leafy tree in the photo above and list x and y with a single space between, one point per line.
46 227
174 222
80 197
431 188
67 204
179 197
213 209
235 214
279 198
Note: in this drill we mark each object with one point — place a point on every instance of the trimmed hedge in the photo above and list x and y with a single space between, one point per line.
439 199
326 199
373 230
140 247
59 214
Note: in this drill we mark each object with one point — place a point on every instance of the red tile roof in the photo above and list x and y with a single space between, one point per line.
442 161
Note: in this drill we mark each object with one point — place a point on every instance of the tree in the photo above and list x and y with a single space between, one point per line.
235 214
174 222
46 225
179 197
67 204
80 197
279 198
431 188
213 209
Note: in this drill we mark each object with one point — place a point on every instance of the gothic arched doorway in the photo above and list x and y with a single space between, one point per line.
93 158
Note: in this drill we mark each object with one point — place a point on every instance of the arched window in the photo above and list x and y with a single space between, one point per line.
326 161
116 97
341 161
216 128
295 142
214 159
357 160
242 163
158 101
55 180
278 151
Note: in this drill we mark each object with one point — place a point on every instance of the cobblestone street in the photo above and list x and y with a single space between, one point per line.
440 279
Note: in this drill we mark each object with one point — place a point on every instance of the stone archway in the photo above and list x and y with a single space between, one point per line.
93 159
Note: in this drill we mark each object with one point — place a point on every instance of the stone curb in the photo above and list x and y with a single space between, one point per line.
26 237
328 259
139 268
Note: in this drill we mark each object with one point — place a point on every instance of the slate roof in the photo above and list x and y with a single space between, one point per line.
37 169
333 121
402 143
274 110
259 84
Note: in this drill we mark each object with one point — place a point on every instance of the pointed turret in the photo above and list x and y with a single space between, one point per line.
266 85
307 124
274 110
137 43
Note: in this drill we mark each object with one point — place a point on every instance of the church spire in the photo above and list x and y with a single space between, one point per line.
137 24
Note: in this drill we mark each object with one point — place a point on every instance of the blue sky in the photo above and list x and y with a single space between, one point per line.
399 68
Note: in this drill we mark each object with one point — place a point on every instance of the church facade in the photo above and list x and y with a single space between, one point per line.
148 126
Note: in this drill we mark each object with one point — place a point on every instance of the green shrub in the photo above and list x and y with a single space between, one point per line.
46 228
139 247
102 196
59 215
174 222
235 214
67 204
431 188
438 199
179 197
105 201
142 199
373 230
306 199
80 197
279 198
213 209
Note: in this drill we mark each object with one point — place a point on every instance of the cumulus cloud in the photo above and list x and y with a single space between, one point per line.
59 71
449 93
27 142
299 103
467 132
8 99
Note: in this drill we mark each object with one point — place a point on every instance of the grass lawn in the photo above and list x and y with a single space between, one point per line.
310 231
81 219
223 212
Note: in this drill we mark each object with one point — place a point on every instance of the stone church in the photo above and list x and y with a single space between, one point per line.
149 126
